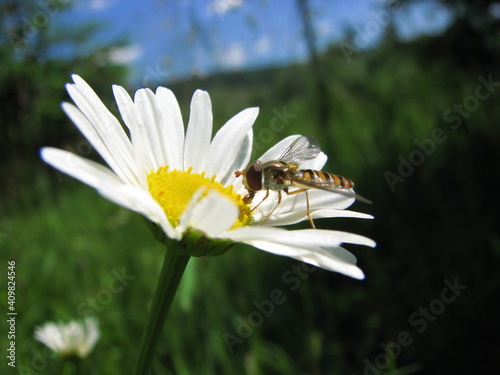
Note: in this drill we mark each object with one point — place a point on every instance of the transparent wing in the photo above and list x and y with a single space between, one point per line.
303 148
301 183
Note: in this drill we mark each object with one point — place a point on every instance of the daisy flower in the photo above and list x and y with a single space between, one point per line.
183 181
76 338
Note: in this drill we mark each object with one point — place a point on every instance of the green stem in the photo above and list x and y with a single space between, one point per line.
171 273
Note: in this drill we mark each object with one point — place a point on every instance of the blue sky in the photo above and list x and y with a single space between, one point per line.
238 34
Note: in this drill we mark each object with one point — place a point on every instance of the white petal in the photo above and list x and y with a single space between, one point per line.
198 133
91 336
300 238
288 218
227 143
356 239
185 219
318 199
278 249
240 163
304 238
172 131
120 162
306 245
335 260
85 170
212 215
140 201
162 128
328 199
128 112
50 336
149 121
340 213
102 129
126 106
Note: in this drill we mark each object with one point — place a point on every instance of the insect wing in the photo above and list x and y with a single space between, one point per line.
302 149
301 183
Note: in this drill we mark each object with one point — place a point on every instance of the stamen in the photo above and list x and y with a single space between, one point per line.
174 189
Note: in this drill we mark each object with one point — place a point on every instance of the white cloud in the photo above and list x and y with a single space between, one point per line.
100 4
262 45
221 7
125 55
234 56
325 28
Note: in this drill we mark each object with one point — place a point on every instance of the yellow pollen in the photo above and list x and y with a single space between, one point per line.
173 190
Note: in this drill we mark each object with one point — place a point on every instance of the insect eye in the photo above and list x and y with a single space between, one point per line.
253 175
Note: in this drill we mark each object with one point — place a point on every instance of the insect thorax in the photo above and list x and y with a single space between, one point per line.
276 174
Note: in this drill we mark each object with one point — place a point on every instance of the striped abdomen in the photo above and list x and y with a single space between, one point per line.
325 179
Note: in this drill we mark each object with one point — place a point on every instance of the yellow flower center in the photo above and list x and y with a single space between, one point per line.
174 189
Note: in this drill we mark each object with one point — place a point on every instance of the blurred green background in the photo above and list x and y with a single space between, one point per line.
411 122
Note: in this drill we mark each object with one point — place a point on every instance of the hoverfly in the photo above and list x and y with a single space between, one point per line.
284 173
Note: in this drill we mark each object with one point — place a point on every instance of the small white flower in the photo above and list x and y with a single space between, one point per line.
184 181
76 338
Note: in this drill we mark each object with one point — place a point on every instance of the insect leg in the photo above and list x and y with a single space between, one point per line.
263 199
307 203
275 207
